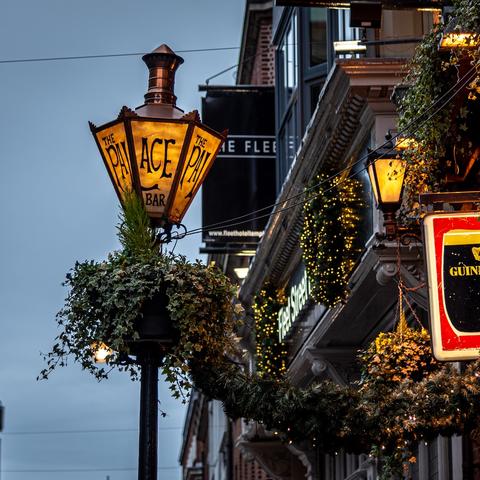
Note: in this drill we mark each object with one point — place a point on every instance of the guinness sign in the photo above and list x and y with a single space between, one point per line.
452 244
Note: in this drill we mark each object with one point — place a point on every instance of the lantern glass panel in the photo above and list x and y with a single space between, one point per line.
389 175
158 148
457 40
112 142
373 181
200 156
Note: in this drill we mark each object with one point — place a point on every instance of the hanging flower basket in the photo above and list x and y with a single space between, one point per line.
155 323
140 295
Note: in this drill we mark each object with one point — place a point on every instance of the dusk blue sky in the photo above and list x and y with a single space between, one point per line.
58 206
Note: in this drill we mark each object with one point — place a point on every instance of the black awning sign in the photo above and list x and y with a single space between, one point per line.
249 146
242 180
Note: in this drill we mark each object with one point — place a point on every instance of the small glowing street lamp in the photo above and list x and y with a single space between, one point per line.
386 170
158 151
101 352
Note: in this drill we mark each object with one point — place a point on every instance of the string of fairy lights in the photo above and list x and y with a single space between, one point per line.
271 354
329 239
420 120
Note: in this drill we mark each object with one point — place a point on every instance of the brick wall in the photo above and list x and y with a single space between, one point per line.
263 72
244 467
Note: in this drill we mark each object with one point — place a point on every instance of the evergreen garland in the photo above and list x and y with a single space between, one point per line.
271 354
386 414
330 235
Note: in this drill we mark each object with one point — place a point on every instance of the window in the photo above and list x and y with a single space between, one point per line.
433 460
287 96
314 92
304 54
287 62
317 29
366 223
344 32
315 58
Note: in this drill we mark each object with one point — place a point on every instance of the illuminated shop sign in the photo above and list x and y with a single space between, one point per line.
452 243
297 300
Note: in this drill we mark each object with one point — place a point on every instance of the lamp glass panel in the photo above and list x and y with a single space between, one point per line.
390 173
101 352
200 155
373 181
457 40
114 149
158 146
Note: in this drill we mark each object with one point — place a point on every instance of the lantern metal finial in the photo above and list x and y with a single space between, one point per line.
162 64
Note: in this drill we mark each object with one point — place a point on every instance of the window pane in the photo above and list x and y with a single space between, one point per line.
290 49
318 36
291 137
314 94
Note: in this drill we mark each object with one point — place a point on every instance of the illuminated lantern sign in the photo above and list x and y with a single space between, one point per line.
158 151
452 244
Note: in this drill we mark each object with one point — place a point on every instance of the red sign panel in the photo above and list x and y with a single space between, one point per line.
452 245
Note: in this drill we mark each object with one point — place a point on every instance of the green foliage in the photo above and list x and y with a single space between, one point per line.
271 354
446 139
106 300
387 413
134 231
397 356
329 240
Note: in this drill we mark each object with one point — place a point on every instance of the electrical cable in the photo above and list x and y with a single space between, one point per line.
108 55
73 470
400 133
221 224
103 430
248 59
459 85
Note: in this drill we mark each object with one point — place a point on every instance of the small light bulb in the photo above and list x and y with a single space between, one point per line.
101 352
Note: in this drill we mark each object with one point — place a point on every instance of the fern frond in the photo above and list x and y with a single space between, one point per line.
134 230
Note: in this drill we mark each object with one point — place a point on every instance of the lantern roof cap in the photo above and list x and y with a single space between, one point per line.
164 48
165 51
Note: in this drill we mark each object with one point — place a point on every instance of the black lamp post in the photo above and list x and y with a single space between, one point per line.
386 170
163 155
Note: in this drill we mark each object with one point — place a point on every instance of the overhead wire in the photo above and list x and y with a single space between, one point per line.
225 224
107 55
100 430
73 470
459 85
245 60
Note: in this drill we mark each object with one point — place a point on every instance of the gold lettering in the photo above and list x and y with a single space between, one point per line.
464 270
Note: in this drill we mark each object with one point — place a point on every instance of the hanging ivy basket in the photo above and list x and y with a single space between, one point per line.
141 295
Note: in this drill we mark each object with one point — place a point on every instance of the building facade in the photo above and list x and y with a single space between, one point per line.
210 447
331 107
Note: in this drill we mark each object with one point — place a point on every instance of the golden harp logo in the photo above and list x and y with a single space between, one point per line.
476 253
